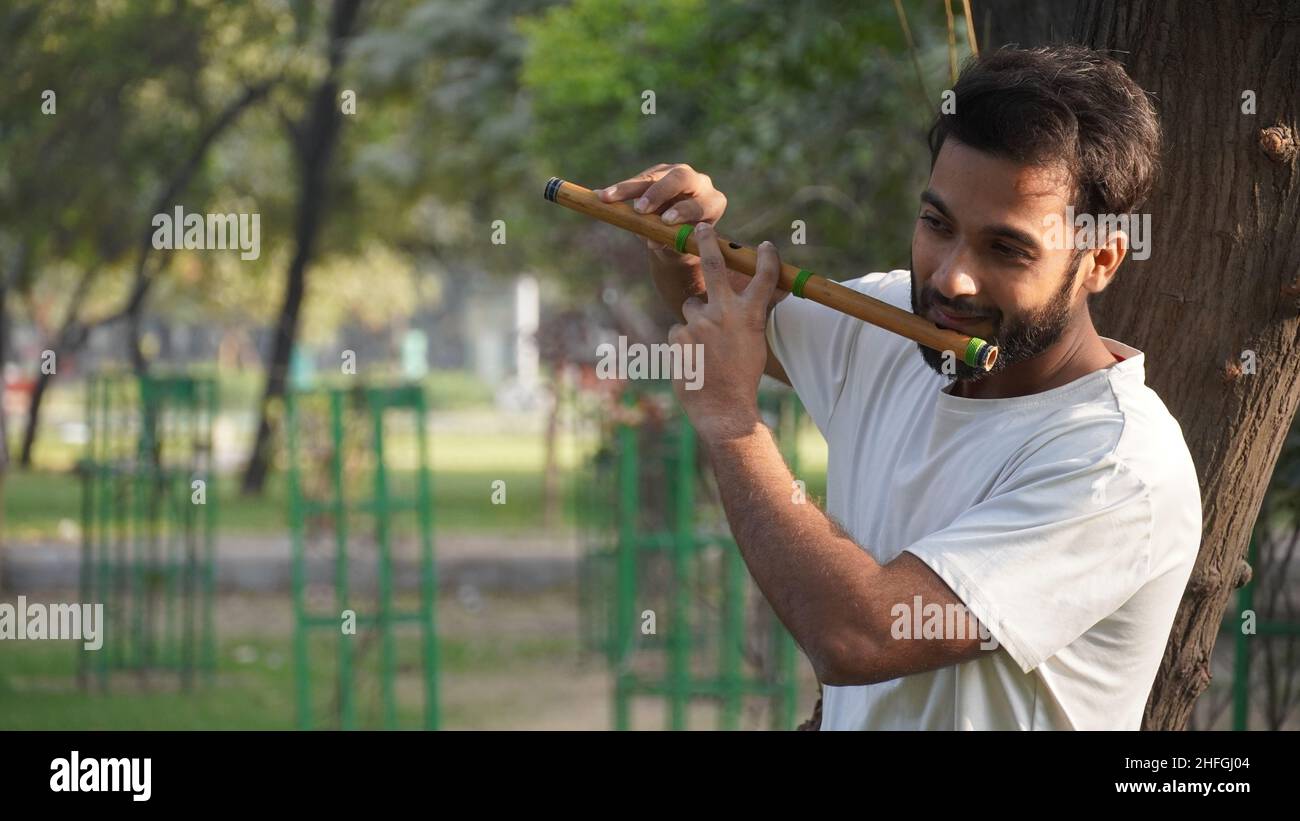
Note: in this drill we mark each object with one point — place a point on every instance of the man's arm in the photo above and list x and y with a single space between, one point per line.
834 598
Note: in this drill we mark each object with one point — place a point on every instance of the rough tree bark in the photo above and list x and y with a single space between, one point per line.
1223 277
313 141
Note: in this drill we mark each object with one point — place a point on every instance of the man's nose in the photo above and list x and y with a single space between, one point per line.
953 278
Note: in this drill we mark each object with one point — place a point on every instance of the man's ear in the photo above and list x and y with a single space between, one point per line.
1099 265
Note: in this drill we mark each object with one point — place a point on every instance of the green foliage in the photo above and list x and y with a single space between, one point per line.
136 84
797 112
464 107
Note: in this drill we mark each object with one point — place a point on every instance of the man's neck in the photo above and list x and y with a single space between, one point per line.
1077 353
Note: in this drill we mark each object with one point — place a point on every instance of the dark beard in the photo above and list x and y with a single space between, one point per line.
1019 338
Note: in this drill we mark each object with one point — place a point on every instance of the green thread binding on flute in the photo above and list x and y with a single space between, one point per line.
973 347
799 281
682 234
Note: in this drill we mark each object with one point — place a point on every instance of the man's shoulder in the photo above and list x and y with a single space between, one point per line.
1128 436
1117 425
1151 441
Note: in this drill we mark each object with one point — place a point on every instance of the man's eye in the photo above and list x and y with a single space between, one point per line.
932 222
1008 251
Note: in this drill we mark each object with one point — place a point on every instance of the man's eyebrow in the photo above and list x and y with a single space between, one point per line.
1014 234
934 199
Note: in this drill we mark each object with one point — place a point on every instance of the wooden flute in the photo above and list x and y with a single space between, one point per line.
801 282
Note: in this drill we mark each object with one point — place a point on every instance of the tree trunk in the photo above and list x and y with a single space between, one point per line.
559 384
70 339
1219 292
33 420
1025 23
4 428
313 142
286 331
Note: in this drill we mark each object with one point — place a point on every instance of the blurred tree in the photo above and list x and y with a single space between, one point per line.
107 121
422 168
312 137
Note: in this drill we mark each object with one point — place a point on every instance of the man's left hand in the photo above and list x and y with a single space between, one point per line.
730 328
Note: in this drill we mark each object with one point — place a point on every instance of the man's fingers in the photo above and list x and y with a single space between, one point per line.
679 335
707 207
670 185
767 273
681 213
669 256
634 186
691 308
626 190
713 265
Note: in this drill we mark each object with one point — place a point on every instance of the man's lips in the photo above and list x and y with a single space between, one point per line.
956 322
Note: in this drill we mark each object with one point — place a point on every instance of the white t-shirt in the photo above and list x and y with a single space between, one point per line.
1067 521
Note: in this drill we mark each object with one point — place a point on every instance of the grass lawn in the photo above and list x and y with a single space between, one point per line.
510 662
464 469
507 662
253 687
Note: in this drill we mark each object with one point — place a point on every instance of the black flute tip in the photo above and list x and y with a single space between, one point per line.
552 185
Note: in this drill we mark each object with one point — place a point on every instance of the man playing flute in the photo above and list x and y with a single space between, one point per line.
1052 500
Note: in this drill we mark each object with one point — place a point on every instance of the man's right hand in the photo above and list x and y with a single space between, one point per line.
680 195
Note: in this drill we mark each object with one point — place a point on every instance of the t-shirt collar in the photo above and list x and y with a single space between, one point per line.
1133 367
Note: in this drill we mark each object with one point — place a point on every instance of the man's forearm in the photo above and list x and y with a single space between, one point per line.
813 574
